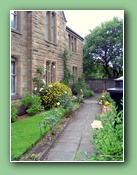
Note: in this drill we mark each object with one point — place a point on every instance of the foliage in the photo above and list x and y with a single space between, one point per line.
108 141
51 120
14 110
66 102
52 92
34 156
67 73
38 82
103 50
105 98
25 133
32 103
81 84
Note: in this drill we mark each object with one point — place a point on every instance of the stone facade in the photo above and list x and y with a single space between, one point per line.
31 49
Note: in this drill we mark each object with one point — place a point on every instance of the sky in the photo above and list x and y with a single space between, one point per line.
81 21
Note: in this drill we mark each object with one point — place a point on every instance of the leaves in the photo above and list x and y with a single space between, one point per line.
108 141
103 49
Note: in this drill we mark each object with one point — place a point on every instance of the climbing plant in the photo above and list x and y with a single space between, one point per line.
39 83
66 55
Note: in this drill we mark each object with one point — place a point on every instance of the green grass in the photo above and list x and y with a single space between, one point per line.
25 133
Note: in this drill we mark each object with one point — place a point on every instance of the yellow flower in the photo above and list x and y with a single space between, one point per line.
106 103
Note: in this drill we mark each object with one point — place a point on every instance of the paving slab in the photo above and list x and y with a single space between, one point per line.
74 142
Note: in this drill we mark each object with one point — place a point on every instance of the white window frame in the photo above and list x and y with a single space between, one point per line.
13 75
14 17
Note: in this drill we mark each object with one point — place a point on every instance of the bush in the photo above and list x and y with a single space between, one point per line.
108 141
65 101
51 93
32 103
51 118
81 84
14 111
105 98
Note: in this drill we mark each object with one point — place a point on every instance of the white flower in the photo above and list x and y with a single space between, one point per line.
35 88
58 103
41 89
97 124
44 81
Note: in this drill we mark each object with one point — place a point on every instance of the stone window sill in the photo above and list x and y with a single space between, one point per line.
15 31
15 97
49 42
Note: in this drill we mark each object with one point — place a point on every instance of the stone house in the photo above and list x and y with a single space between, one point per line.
37 39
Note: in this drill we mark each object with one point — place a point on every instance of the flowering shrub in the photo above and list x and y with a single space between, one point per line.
108 141
105 98
51 93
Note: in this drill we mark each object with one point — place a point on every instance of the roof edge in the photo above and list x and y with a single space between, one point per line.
64 16
72 31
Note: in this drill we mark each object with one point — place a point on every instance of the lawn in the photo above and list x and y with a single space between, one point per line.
25 133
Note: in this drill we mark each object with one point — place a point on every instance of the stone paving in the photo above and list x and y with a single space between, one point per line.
77 135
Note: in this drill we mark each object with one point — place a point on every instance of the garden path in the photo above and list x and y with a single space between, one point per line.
77 135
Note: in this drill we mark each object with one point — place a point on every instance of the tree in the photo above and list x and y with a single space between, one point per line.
103 49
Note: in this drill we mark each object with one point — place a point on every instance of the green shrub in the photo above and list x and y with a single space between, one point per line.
108 141
51 93
105 97
65 101
51 118
14 110
81 84
32 103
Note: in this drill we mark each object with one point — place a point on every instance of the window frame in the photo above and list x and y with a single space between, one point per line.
13 75
72 42
50 72
14 14
47 24
50 26
75 73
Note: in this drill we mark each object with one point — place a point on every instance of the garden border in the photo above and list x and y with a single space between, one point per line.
45 153
27 158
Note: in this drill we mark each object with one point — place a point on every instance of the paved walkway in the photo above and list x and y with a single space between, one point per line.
76 137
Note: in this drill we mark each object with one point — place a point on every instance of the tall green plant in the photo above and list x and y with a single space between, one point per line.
66 55
108 141
38 80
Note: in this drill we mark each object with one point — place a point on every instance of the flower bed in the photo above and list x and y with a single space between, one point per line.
108 131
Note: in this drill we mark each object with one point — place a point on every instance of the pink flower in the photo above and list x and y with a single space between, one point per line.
100 102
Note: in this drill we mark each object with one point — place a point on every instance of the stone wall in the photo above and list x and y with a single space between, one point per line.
31 49
19 43
97 85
